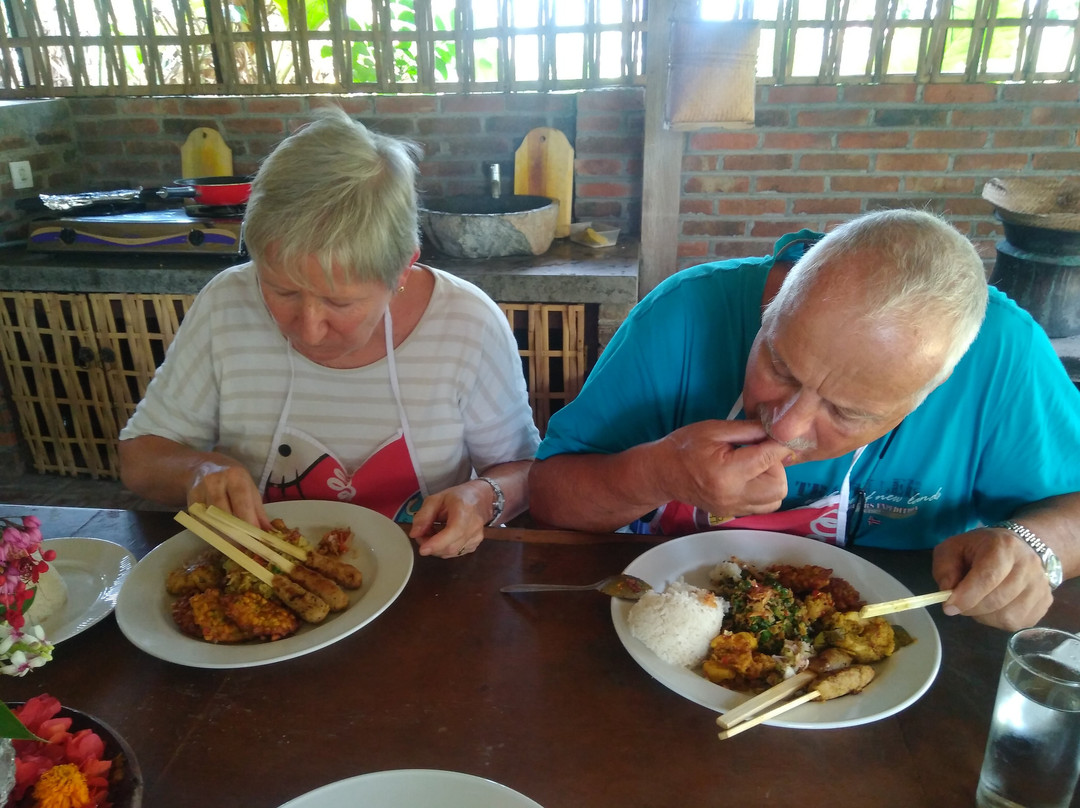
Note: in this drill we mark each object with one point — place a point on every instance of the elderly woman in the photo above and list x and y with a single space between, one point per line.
333 366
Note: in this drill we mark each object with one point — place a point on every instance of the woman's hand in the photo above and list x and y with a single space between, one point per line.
451 522
228 486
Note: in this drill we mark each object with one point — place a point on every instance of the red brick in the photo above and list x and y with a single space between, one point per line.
757 206
693 249
261 126
839 118
292 105
803 94
14 143
448 169
149 106
1055 116
771 230
474 103
723 141
873 140
1033 93
704 207
834 162
859 185
832 205
939 185
596 167
943 139
82 107
211 105
600 123
620 99
797 141
1031 138
712 227
716 184
741 248
604 189
790 184
959 93
994 118
875 94
989 161
1057 161
912 162
599 144
757 162
133 126
968 205
698 162
483 147
405 104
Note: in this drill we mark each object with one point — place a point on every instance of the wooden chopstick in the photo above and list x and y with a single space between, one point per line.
903 604
764 699
208 535
761 718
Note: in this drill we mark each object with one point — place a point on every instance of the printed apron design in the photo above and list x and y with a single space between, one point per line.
824 519
300 467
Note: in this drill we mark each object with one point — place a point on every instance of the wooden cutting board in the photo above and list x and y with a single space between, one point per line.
544 166
204 154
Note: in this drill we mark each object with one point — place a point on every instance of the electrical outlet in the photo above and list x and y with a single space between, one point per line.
21 175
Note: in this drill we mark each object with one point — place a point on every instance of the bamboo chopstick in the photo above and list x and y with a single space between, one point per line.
764 699
208 535
903 604
761 718
242 537
239 525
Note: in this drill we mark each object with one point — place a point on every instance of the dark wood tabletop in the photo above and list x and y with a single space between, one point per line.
535 692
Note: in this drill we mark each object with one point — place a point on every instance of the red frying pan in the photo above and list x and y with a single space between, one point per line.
210 190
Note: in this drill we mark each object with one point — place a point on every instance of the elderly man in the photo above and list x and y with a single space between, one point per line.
865 386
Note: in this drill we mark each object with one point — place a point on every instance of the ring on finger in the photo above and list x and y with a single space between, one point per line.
463 549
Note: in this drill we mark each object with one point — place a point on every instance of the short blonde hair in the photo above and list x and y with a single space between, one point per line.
340 192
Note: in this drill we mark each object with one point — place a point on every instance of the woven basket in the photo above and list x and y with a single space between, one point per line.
1048 203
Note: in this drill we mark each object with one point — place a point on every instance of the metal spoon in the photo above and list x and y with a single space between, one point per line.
617 586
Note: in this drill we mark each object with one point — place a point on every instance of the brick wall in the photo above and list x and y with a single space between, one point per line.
819 155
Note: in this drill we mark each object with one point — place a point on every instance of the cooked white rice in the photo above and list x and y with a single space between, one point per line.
679 623
49 598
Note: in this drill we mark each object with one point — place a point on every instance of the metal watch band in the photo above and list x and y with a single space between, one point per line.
1050 561
499 503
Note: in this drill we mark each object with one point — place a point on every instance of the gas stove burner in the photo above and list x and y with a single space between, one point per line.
215 211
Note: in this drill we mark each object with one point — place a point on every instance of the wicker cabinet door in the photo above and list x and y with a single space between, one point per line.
57 382
77 365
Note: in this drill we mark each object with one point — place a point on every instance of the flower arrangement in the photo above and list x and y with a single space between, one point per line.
22 561
57 768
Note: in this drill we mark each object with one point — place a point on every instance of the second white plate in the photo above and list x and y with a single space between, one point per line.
900 680
379 548
92 571
413 788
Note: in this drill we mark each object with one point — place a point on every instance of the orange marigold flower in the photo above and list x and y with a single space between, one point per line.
62 786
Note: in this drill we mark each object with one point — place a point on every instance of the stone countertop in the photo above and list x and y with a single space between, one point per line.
566 273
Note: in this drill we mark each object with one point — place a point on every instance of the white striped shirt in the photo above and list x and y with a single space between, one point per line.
225 377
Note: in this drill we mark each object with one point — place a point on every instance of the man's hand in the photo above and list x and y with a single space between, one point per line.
995 577
728 468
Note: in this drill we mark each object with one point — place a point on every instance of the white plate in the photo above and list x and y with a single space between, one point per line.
900 680
92 571
379 548
413 788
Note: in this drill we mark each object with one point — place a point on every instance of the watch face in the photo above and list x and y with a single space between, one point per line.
1053 571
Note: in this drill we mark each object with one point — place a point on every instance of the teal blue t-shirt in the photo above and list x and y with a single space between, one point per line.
1003 430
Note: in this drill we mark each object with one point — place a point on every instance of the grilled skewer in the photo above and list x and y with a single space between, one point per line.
314 582
335 569
311 608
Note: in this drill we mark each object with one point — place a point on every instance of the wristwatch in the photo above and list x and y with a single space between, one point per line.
1051 563
500 500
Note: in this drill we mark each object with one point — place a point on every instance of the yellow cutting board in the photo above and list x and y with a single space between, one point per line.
544 166
204 154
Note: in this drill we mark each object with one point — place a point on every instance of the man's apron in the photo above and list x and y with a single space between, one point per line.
298 466
824 519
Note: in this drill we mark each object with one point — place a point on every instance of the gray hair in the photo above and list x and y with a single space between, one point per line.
923 270
340 192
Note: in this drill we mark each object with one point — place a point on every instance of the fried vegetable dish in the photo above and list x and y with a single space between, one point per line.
785 619
220 602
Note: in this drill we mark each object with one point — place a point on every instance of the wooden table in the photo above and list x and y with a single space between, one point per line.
535 692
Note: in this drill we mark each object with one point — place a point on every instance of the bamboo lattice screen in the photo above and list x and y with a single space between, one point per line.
258 47
78 364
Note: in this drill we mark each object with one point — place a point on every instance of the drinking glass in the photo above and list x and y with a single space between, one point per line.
1033 753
